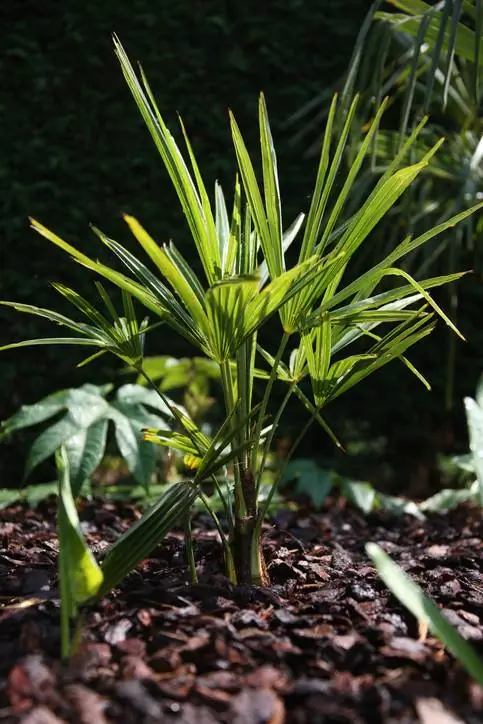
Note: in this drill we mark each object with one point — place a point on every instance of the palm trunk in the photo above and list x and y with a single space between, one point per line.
247 550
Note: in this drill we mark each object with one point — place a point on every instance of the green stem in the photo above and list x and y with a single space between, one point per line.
269 440
65 606
266 398
170 407
228 391
229 562
229 399
226 506
264 507
190 553
77 635
244 366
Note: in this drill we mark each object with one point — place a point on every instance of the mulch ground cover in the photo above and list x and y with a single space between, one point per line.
326 643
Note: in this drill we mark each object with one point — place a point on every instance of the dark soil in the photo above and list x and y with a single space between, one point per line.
325 644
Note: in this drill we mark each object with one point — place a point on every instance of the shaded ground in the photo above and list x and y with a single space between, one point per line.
325 644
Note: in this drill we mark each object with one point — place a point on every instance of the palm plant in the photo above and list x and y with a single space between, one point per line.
339 326
426 59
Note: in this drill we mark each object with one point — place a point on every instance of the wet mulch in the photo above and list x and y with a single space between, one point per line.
324 644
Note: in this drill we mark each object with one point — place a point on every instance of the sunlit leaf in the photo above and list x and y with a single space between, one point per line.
422 608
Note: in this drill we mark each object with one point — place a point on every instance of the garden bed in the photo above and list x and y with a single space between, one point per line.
325 643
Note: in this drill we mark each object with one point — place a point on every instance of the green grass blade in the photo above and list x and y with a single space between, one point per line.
120 280
321 191
425 610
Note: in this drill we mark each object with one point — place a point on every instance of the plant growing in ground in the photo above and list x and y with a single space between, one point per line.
247 280
81 578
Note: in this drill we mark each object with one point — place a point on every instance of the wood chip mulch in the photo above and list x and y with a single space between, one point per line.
325 644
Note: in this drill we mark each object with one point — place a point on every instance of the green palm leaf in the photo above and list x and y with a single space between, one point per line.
193 199
140 539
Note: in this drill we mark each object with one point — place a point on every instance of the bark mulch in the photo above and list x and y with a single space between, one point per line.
324 644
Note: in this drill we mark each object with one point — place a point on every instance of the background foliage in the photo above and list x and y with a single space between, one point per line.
76 152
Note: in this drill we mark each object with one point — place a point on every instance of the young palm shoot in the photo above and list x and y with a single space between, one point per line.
247 281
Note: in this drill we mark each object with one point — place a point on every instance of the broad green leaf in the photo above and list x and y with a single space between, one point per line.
171 372
129 420
156 367
227 310
311 480
35 493
448 498
474 415
9 496
32 494
79 570
424 610
464 42
84 409
361 494
30 415
398 506
135 395
85 451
